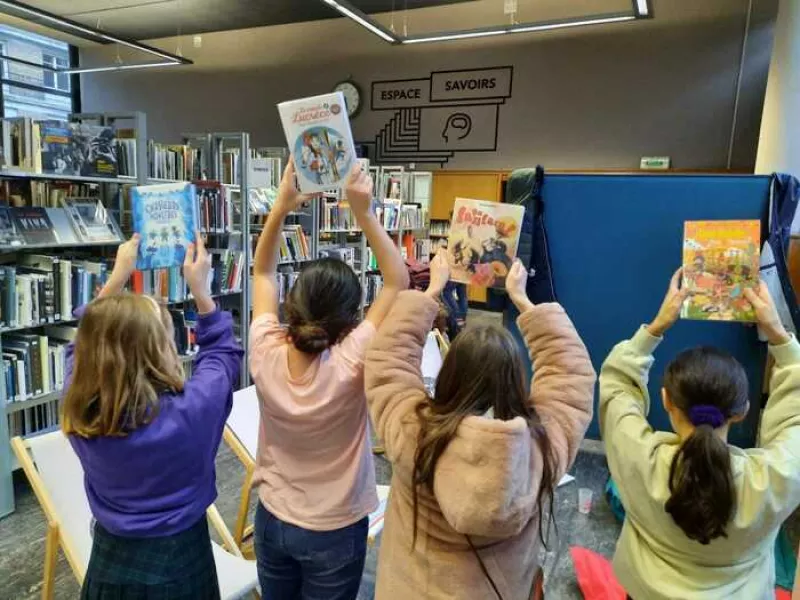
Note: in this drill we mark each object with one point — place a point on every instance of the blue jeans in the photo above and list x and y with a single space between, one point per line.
296 563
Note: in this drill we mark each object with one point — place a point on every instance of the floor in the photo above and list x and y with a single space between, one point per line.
22 533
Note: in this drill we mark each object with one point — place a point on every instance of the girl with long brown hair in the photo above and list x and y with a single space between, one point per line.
701 515
146 437
474 467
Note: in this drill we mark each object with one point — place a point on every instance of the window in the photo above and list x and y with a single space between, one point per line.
29 90
53 80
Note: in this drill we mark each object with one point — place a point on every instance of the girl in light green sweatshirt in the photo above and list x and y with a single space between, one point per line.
701 516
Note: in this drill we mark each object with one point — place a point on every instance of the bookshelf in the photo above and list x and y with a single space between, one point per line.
204 156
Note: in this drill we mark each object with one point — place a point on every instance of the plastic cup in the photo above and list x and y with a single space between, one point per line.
585 501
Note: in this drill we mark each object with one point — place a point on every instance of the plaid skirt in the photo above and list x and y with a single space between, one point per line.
175 567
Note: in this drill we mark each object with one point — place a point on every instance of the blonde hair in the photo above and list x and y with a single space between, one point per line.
124 357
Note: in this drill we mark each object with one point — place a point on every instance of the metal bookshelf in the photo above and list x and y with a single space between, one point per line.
214 144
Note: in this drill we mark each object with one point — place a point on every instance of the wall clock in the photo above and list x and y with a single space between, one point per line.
352 97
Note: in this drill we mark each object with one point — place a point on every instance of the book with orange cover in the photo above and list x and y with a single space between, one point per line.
483 241
720 260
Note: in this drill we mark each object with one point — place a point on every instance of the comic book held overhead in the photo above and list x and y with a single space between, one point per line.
720 260
318 133
165 216
483 241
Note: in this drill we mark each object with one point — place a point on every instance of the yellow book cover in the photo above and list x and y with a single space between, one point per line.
720 260
483 241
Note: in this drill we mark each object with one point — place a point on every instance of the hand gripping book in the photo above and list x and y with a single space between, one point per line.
318 133
165 216
483 241
720 260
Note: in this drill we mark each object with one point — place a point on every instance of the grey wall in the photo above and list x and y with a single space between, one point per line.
598 100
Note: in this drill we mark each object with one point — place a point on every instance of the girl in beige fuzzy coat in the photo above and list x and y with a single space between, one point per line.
476 464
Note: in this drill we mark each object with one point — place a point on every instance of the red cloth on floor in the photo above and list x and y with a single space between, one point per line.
597 581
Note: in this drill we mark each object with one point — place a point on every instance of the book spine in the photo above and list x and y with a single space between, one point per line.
36 367
11 296
44 357
58 308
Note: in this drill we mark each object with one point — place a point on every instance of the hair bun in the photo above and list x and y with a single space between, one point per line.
310 338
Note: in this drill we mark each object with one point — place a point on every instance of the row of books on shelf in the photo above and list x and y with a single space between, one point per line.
46 193
44 289
346 254
81 220
58 147
174 161
35 419
216 212
412 216
439 228
286 282
388 213
294 244
420 250
373 284
169 285
35 364
336 216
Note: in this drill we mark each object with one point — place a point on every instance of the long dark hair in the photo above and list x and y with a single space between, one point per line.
710 387
483 369
323 305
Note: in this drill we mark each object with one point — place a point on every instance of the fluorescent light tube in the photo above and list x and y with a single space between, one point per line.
361 20
566 24
519 29
13 6
120 67
456 36
641 6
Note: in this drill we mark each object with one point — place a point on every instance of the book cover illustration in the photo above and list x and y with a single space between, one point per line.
318 133
94 150
9 236
720 260
483 241
91 220
57 154
165 216
34 224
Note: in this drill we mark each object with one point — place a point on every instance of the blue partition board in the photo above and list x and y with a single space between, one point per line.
615 241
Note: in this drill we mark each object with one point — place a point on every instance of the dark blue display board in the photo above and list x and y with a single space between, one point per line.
615 242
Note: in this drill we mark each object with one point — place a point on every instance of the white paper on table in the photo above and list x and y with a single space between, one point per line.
431 357
245 417
565 480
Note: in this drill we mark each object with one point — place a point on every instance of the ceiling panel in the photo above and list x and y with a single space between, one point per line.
151 19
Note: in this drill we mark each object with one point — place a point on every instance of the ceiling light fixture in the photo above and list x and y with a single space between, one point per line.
523 28
362 19
122 67
640 9
14 8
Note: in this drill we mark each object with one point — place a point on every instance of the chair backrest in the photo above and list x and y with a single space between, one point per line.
61 475
244 419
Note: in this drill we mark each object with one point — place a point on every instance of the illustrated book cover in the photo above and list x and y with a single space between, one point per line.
720 260
9 236
318 133
91 221
34 224
94 149
57 154
483 241
165 216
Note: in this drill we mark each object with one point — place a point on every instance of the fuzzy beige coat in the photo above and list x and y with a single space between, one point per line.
488 478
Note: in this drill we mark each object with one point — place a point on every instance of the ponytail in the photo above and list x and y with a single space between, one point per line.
702 499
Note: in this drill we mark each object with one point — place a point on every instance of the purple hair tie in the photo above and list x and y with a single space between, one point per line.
705 414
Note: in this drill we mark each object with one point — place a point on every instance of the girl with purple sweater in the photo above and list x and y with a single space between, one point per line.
147 438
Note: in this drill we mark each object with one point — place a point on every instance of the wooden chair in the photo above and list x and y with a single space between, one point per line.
241 434
57 479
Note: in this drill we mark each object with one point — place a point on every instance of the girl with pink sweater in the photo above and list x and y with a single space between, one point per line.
475 466
314 470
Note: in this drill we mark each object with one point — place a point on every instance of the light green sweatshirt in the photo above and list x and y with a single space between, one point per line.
654 559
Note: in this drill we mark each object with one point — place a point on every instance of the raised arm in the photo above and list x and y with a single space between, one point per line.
393 379
265 260
390 262
562 390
